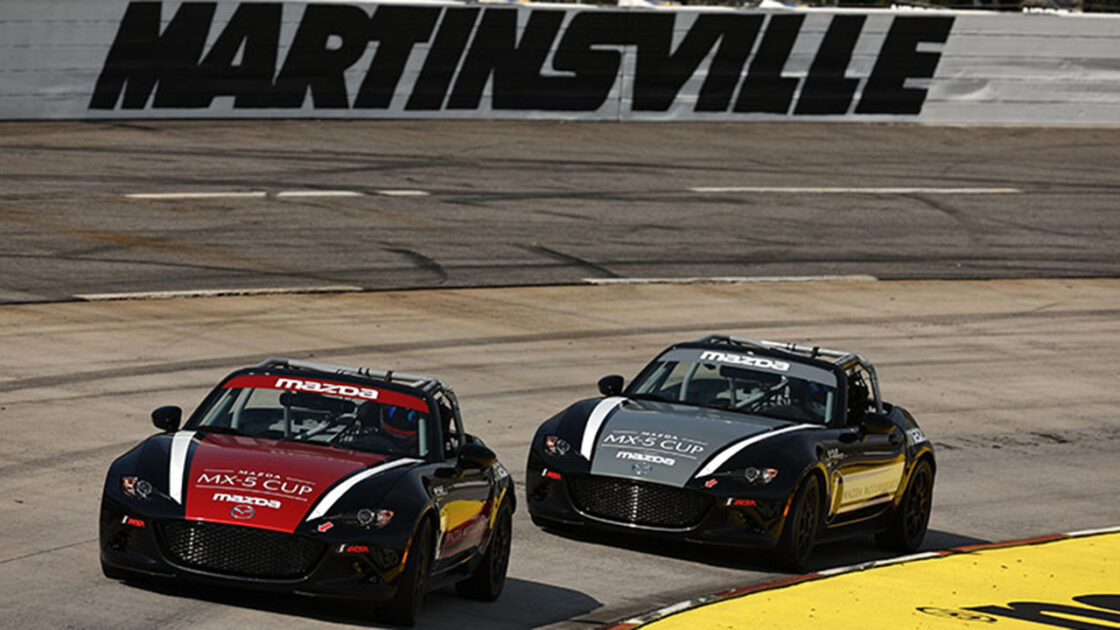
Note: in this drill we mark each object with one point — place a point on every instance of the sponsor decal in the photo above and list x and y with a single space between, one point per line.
711 483
746 360
353 549
467 58
255 480
324 527
646 457
329 388
551 474
323 387
237 498
242 512
742 502
915 436
133 522
673 444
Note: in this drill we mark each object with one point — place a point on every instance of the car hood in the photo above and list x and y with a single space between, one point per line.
662 442
268 484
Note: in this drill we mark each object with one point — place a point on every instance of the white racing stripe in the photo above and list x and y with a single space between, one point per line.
594 421
180 447
721 457
334 495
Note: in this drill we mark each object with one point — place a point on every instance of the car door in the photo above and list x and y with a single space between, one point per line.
463 495
866 460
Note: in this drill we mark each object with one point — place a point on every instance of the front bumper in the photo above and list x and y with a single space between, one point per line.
726 513
344 562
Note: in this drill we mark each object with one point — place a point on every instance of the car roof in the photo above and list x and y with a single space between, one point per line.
427 384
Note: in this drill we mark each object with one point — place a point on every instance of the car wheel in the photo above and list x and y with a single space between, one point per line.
799 533
908 525
489 577
402 609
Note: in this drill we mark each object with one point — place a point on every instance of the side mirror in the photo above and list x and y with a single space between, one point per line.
474 455
876 424
167 418
611 385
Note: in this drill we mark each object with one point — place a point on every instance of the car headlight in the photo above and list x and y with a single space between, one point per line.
556 446
760 476
136 487
373 518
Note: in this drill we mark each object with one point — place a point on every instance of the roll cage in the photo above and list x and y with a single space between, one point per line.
847 362
451 421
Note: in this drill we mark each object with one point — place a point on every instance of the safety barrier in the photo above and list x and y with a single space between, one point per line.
78 59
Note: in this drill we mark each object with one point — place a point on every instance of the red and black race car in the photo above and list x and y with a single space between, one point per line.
736 441
315 479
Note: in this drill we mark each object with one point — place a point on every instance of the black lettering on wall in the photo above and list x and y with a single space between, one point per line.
443 57
825 90
596 71
141 56
659 75
727 66
254 30
899 60
765 89
397 29
515 66
313 63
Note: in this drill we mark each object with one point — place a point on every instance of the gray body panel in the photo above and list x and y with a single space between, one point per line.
668 443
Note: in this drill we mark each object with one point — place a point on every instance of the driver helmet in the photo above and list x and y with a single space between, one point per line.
400 423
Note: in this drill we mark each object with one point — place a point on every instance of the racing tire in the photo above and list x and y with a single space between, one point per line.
908 525
799 533
486 582
403 608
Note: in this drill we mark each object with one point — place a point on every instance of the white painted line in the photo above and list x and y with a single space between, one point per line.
403 193
857 191
734 280
256 194
318 193
199 293
1092 532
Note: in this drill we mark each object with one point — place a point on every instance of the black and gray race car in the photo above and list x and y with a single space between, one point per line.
316 479
746 442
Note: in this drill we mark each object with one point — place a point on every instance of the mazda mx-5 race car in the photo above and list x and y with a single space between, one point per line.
729 440
315 479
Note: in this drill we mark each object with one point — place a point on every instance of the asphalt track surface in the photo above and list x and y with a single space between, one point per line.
543 203
1013 378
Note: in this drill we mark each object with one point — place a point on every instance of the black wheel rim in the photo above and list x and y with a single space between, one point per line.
806 524
918 500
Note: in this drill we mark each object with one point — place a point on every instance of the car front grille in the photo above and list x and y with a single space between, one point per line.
638 503
238 551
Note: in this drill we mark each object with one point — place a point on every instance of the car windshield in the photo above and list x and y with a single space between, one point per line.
742 382
317 411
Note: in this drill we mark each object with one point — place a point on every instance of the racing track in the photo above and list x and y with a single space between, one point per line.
1013 379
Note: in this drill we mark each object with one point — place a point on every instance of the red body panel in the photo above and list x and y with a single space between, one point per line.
264 483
